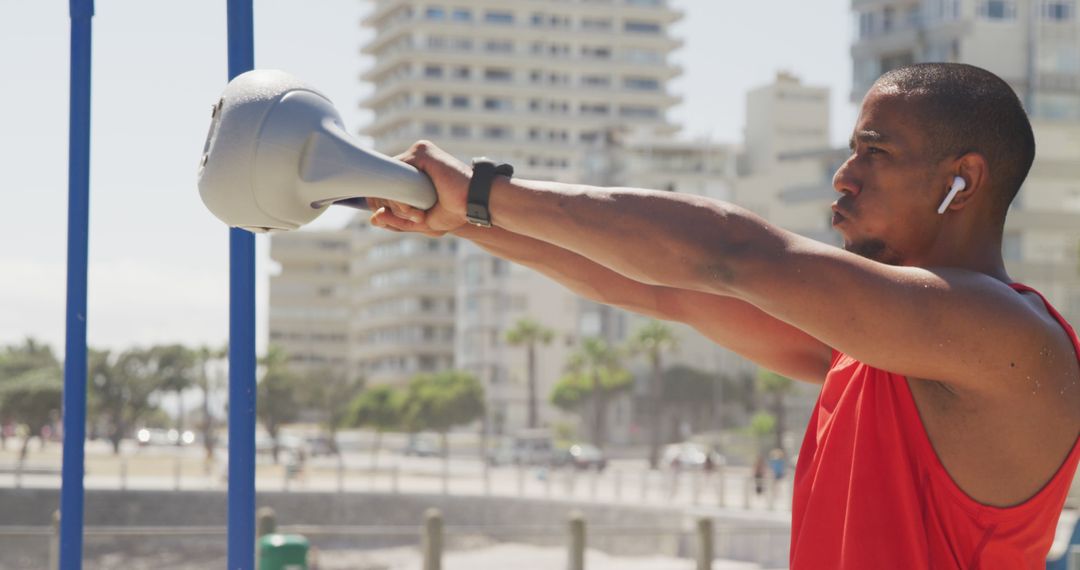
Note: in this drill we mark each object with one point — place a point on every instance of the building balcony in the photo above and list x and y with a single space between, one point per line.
573 122
519 90
372 295
523 32
652 10
368 351
662 70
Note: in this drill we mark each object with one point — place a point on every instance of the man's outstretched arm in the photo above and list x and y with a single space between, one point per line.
732 323
952 325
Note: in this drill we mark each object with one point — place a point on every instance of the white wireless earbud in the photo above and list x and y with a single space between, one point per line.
957 185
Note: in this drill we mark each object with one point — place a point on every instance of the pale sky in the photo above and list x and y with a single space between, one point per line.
158 259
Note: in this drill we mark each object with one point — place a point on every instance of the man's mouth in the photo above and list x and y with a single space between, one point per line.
837 216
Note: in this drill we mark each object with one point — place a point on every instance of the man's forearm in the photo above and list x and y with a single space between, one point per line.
580 275
662 238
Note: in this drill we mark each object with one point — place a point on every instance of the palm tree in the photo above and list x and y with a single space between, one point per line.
529 333
174 366
652 340
599 363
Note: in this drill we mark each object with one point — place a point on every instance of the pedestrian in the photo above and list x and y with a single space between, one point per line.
759 475
946 432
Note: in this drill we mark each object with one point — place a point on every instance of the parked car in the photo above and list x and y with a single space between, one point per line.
526 447
422 445
690 455
583 456
155 436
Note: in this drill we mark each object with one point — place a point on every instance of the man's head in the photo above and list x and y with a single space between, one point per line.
920 127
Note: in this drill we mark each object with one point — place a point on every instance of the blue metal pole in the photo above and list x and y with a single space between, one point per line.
241 336
74 406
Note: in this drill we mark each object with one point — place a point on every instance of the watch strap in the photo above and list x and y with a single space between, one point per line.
484 173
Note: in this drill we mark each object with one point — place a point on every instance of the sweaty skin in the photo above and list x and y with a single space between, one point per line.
994 376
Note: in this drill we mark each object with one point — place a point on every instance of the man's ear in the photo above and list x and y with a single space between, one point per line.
972 167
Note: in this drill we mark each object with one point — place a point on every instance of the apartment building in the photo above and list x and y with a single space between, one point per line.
363 301
528 82
785 173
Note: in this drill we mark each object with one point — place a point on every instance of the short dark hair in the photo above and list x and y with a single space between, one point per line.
969 109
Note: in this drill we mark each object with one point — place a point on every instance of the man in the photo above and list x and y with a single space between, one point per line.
946 433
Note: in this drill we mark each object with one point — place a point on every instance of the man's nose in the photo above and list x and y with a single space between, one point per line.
844 182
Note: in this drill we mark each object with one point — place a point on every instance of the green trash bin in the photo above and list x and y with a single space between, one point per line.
283 552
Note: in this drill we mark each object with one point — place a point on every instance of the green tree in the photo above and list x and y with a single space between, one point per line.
762 424
776 387
691 394
378 408
530 333
175 367
652 340
16 360
330 393
594 374
440 401
120 390
32 398
204 356
276 395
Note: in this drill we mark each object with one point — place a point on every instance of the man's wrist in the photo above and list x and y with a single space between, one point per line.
485 173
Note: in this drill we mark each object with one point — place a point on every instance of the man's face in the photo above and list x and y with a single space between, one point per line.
889 185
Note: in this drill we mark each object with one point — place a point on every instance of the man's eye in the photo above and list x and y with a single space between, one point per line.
873 150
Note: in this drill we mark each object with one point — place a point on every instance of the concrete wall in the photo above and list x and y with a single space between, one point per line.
516 520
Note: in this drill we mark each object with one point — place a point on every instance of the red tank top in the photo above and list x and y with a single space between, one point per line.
871 493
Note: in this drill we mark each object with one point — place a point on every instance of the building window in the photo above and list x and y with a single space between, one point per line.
637 55
499 46
499 17
460 73
462 44
594 109
461 15
459 102
496 132
998 9
639 27
595 52
596 80
432 129
460 131
1058 10
498 74
435 13
639 111
433 71
433 100
498 104
596 24
641 83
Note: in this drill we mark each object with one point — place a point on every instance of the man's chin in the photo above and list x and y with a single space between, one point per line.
873 249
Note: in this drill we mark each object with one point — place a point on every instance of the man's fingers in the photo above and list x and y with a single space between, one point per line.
407 212
384 218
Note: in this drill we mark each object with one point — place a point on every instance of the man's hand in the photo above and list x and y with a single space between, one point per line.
451 180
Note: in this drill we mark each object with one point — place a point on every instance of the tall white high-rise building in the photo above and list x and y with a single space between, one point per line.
534 84
364 302
527 82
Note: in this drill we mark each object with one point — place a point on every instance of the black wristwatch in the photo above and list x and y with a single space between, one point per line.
484 173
